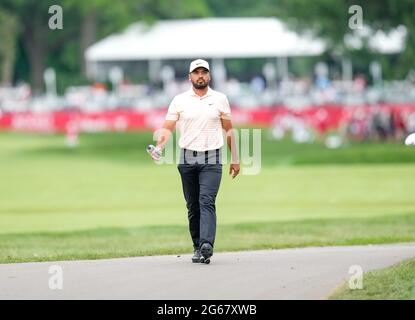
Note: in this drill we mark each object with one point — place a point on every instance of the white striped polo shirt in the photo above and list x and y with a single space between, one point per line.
198 119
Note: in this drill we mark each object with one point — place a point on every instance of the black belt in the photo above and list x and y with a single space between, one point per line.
206 154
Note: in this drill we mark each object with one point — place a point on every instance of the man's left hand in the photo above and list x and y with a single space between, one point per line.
234 169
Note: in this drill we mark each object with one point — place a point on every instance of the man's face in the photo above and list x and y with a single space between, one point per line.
200 78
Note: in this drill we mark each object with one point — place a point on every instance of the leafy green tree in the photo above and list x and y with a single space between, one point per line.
330 19
30 20
84 22
8 30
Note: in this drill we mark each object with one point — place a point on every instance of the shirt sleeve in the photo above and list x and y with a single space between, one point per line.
225 112
172 112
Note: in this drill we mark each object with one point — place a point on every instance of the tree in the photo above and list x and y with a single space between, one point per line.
330 19
8 31
84 23
33 17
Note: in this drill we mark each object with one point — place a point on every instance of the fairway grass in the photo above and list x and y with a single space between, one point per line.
394 283
108 199
147 240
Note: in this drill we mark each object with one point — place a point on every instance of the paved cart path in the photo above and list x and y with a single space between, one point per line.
306 273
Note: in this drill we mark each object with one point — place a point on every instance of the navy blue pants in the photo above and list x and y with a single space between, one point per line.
201 181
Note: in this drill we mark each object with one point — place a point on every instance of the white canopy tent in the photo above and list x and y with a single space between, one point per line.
216 39
209 38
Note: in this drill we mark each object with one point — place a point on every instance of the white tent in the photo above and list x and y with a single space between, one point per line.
208 38
218 39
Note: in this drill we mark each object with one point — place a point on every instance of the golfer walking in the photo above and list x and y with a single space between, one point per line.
202 116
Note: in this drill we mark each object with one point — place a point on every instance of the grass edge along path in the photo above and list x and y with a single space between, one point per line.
159 240
396 282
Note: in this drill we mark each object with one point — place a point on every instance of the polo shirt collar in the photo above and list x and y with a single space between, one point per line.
193 94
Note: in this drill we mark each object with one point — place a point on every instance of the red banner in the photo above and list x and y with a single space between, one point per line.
321 118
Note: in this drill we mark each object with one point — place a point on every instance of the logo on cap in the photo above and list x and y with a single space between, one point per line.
199 63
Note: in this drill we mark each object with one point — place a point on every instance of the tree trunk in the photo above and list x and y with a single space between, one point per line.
8 36
88 35
36 46
7 69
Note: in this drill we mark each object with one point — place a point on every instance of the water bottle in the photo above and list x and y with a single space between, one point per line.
150 148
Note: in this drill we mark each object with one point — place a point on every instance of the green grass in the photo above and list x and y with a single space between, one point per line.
107 199
150 240
393 283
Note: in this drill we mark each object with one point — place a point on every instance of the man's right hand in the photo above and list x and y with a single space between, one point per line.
155 152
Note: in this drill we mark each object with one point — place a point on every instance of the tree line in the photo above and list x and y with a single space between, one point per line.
28 45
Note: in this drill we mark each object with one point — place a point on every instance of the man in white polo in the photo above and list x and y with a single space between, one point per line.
202 115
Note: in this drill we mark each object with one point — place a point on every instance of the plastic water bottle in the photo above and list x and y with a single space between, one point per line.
150 148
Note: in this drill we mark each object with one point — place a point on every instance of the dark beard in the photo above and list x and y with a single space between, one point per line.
200 86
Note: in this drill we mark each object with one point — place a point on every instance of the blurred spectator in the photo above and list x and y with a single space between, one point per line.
359 83
410 122
399 125
358 127
15 98
258 84
380 124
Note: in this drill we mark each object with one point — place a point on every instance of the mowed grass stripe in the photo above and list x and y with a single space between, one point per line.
107 195
125 242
